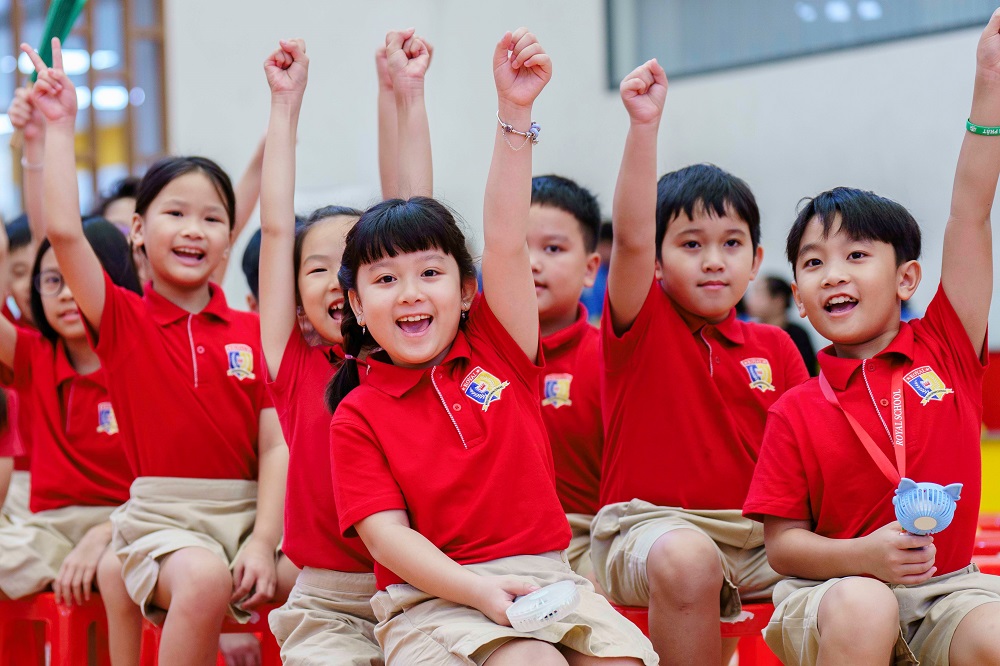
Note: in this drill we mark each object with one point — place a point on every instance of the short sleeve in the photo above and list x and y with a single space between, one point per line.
10 440
942 324
779 487
281 388
114 344
19 377
619 350
483 323
363 484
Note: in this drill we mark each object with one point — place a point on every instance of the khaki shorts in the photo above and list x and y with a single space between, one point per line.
15 507
328 619
624 533
578 552
164 515
31 553
929 614
417 628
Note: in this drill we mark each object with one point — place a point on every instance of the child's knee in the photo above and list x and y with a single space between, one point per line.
199 583
852 598
684 563
524 651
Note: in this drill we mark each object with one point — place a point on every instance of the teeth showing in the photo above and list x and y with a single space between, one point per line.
188 251
414 318
837 300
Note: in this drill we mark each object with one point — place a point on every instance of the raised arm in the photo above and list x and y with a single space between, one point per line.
521 68
407 58
287 71
247 191
29 121
967 265
633 215
55 96
388 145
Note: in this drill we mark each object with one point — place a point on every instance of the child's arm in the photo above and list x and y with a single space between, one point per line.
388 151
407 58
55 96
27 119
409 555
633 216
247 191
287 71
888 553
254 570
8 332
507 280
967 266
6 471
75 579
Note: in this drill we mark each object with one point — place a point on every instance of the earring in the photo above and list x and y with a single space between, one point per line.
364 331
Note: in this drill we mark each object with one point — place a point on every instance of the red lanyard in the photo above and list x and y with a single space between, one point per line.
898 430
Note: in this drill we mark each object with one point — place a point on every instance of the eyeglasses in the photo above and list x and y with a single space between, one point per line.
49 283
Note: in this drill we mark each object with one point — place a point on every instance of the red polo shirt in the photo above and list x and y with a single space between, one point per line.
78 456
21 415
10 439
813 466
571 409
460 446
684 409
187 388
312 532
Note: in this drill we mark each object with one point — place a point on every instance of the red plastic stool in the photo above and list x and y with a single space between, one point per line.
987 543
68 629
269 651
752 650
988 564
989 522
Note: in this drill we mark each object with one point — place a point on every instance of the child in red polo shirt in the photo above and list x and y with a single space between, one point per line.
563 224
687 387
328 616
191 402
440 459
867 592
80 471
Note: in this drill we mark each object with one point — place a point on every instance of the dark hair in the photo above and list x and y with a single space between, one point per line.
19 232
251 263
302 229
169 169
864 216
607 231
778 288
389 229
568 196
111 248
704 186
125 188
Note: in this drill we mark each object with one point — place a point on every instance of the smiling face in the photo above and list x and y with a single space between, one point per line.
60 308
706 263
851 289
185 231
560 265
412 304
21 261
319 289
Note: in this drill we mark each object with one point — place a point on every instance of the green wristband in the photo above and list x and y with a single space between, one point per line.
979 129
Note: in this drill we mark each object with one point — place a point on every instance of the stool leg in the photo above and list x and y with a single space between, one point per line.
270 653
747 651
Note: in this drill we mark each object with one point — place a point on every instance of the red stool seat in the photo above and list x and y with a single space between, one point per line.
752 649
988 564
269 651
68 630
989 522
987 543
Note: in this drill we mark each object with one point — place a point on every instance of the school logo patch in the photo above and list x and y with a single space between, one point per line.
556 390
483 387
927 384
106 421
240 361
759 370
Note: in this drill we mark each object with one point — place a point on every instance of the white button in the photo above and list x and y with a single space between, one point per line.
201 350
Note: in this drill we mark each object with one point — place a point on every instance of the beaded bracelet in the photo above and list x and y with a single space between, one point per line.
982 130
530 136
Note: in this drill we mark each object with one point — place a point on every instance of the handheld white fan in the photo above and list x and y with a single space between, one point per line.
543 607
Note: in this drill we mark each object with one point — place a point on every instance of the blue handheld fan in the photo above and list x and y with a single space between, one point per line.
925 508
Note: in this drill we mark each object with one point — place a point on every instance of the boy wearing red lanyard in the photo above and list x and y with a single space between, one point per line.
893 399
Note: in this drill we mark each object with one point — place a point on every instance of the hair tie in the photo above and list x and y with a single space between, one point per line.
348 357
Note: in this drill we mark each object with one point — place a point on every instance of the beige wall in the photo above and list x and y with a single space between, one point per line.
888 118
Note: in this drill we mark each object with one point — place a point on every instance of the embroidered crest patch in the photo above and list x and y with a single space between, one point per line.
240 361
556 390
927 384
759 370
483 387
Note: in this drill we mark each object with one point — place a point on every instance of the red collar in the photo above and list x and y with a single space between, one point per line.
164 312
396 381
838 371
569 335
730 328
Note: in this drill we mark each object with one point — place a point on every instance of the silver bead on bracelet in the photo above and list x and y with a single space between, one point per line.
530 136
